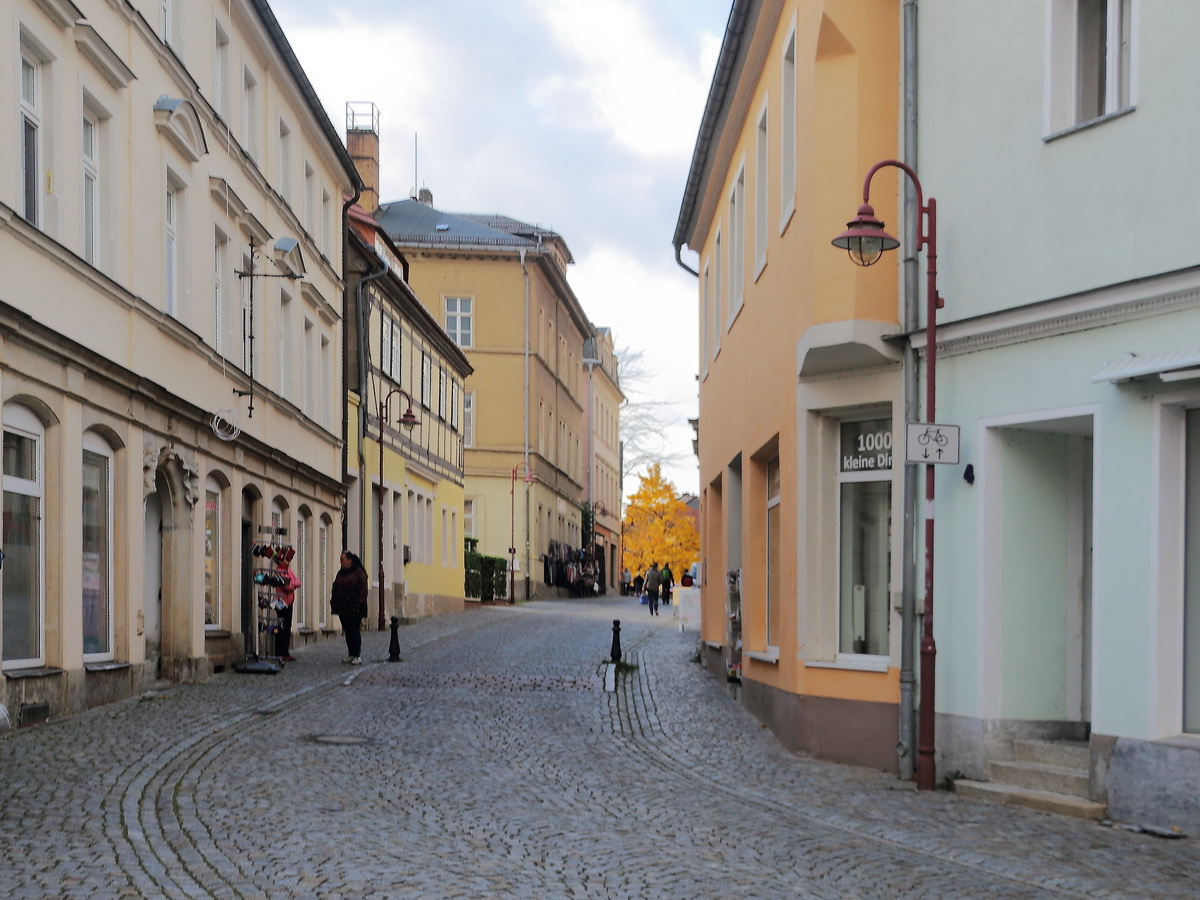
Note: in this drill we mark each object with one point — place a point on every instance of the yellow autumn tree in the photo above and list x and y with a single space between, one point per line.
658 528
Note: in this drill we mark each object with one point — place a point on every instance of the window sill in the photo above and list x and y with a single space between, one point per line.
33 672
1090 123
760 267
854 664
106 666
770 655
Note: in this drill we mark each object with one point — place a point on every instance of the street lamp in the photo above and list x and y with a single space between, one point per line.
866 241
408 420
530 478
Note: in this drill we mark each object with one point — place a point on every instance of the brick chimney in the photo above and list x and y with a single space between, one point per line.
362 143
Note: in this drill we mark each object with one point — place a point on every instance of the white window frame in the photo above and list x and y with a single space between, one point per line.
287 345
303 593
468 419
284 161
787 131
1063 112
31 133
737 245
459 318
773 604
426 380
706 321
21 421
97 446
469 513
761 189
220 286
249 112
247 343
220 69
172 212
718 294
90 164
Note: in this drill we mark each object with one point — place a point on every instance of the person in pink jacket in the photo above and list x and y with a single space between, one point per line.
285 597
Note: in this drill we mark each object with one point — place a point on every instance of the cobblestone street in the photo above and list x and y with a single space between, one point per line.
492 763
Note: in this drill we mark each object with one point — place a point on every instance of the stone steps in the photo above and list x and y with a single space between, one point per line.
1050 776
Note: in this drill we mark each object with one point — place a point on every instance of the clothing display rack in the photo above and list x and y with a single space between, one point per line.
270 548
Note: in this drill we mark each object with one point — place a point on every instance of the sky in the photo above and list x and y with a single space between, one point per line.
576 115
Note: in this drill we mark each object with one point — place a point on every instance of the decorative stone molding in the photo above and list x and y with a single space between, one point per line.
103 57
155 456
179 122
64 13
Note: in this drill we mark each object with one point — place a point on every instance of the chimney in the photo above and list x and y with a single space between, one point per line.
362 142
425 195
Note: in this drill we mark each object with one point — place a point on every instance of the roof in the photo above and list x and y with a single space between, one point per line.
413 222
724 80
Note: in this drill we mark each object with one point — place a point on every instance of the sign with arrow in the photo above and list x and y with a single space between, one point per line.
926 442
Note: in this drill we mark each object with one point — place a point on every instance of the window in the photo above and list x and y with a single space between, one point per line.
213 570
286 342
426 381
864 544
469 518
300 606
310 368
760 196
91 178
220 286
469 419
386 343
326 221
323 383
31 118
774 549
458 320
97 550
787 134
717 295
443 412
737 244
249 112
24 490
1090 66
171 248
284 175
397 355
455 392
706 319
220 69
323 566
310 198
247 343
445 537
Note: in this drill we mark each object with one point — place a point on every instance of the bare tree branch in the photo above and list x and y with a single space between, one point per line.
644 420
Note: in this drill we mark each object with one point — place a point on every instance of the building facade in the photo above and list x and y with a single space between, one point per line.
170 223
1067 569
801 495
405 484
500 286
602 489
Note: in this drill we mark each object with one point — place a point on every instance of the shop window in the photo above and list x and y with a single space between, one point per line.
23 538
97 550
864 537
213 568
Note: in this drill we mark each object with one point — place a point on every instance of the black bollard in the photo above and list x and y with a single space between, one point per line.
394 646
615 652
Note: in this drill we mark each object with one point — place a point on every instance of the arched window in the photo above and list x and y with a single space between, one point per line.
97 556
23 538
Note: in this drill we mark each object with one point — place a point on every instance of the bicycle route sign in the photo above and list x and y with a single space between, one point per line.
927 442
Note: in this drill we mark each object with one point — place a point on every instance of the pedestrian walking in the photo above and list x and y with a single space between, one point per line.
626 580
348 601
285 597
652 583
666 581
639 581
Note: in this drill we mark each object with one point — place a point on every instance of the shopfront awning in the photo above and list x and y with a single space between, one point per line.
1177 366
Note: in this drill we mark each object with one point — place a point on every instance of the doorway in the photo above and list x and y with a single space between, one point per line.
152 562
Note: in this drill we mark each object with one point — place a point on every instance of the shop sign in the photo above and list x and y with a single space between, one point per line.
866 446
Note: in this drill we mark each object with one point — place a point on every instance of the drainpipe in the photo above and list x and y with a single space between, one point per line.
349 202
525 272
363 480
909 627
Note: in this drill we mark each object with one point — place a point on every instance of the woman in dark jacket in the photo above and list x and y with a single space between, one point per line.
348 601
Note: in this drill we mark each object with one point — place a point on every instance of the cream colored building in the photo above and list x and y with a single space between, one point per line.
160 403
603 488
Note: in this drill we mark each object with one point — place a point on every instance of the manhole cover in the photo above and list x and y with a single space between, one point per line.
341 739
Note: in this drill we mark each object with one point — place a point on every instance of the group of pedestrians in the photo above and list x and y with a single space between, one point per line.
347 601
655 583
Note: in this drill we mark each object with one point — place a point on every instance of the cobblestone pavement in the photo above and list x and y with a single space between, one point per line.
492 763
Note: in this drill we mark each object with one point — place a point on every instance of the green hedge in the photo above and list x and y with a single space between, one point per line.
487 576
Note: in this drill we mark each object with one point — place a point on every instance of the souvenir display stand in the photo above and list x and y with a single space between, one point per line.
733 635
269 549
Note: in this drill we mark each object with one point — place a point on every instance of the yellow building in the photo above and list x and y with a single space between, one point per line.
500 287
400 364
603 486
800 393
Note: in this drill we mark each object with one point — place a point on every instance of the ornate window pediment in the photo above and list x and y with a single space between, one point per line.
178 121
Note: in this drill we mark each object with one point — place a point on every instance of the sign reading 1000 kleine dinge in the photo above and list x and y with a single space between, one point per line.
866 446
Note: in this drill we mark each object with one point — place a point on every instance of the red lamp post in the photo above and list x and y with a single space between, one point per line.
865 240
408 420
530 478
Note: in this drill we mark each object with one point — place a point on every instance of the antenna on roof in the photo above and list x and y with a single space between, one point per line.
413 194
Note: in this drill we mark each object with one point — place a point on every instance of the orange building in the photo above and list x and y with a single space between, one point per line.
800 494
